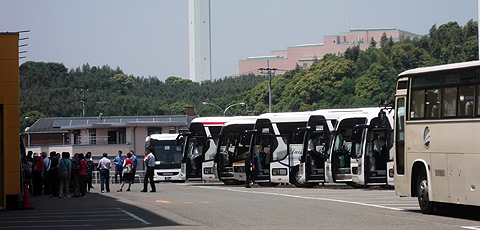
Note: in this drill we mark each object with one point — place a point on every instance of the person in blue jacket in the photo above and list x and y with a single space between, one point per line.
119 166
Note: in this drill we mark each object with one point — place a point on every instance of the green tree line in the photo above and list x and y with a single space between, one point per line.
356 78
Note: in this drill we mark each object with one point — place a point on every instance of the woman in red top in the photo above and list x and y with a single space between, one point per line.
127 172
82 174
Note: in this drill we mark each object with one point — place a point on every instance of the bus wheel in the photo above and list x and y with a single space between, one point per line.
426 206
296 179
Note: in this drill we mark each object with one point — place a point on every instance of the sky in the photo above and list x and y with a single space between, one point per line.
150 38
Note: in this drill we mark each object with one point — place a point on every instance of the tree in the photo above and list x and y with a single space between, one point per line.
373 43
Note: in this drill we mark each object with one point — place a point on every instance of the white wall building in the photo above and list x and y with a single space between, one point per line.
199 40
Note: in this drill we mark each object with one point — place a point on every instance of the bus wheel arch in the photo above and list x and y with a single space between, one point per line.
295 179
420 188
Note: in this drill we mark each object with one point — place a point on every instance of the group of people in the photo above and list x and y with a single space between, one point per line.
125 169
56 174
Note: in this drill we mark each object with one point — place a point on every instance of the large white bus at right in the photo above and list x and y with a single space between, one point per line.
436 135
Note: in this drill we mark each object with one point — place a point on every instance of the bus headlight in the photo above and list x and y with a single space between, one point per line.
279 172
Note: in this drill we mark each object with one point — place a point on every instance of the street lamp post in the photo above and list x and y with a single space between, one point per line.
228 107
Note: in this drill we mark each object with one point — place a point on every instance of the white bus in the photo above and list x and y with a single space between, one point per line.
200 147
320 126
233 146
277 147
168 157
341 162
437 121
373 149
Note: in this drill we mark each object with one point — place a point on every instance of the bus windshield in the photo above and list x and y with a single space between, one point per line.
166 151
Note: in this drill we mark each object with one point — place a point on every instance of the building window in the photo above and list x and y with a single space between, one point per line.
92 133
77 137
122 136
154 130
112 137
172 130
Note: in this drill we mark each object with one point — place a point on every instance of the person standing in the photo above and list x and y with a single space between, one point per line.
37 174
135 163
65 172
251 169
104 166
149 163
127 172
54 174
90 168
75 169
82 174
46 178
118 161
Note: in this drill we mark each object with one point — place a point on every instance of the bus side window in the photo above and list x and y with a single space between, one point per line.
433 103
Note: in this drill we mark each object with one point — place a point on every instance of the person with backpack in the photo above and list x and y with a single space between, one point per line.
127 172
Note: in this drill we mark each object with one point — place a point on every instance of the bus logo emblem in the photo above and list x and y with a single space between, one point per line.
426 137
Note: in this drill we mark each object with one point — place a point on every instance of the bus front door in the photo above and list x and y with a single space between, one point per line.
315 157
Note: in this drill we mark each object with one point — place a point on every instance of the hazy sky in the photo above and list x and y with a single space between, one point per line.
150 38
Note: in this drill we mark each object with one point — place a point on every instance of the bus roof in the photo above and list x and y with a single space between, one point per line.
330 114
163 137
248 120
454 66
218 121
286 117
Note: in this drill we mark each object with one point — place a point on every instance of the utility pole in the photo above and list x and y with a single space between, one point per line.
269 71
83 100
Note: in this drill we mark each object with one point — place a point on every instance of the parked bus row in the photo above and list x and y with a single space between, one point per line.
351 146
426 144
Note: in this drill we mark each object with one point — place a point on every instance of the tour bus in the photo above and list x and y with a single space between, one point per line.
436 145
200 146
373 149
321 123
233 145
341 162
276 146
168 157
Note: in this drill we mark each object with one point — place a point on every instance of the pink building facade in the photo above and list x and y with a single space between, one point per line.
305 55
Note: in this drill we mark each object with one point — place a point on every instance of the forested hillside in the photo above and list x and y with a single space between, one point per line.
357 78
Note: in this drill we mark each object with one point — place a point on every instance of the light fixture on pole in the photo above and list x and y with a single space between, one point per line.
207 103
228 107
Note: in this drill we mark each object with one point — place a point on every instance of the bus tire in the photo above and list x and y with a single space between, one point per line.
296 180
426 206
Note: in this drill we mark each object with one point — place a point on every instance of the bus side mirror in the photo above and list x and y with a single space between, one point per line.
179 140
382 117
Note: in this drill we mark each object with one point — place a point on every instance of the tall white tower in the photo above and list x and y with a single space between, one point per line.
199 40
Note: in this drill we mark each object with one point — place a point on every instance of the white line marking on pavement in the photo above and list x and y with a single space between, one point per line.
304 197
134 216
471 227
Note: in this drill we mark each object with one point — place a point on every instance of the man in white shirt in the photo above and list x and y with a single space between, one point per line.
104 166
149 163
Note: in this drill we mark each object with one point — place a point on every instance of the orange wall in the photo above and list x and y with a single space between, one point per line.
9 98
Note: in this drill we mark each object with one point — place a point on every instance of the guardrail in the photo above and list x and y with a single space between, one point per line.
137 178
